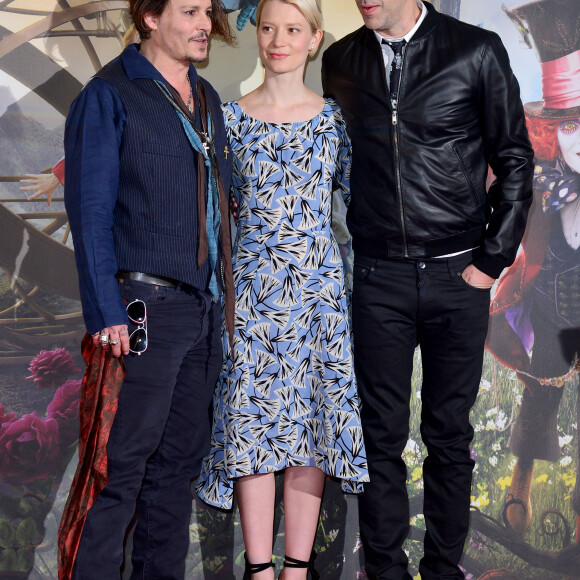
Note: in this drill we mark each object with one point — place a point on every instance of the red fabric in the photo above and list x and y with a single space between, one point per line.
58 171
502 340
99 397
560 82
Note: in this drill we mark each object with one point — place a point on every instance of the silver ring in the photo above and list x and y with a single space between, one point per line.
115 341
104 338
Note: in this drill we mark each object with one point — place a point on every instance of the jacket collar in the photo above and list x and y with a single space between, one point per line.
138 67
427 25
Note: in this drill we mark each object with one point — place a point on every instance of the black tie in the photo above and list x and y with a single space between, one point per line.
396 66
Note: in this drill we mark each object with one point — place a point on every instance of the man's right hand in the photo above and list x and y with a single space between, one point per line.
118 340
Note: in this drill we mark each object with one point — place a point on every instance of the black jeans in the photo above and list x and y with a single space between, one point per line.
397 305
159 437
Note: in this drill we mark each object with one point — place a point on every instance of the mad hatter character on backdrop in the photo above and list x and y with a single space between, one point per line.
535 314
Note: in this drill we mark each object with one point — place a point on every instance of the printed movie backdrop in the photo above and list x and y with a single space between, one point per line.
524 518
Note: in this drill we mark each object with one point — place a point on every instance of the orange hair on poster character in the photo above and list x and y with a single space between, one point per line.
544 137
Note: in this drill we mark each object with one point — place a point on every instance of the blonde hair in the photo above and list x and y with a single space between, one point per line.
309 8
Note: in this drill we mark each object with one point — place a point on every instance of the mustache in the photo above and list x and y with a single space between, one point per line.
201 35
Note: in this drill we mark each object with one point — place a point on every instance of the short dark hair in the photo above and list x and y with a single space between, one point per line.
220 26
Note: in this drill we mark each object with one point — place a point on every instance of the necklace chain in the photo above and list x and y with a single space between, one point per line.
205 141
190 98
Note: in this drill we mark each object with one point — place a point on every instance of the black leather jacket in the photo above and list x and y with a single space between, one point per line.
419 180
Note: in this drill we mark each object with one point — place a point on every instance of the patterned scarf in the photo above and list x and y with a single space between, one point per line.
202 143
100 389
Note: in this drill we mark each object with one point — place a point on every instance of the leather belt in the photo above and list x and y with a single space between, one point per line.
148 279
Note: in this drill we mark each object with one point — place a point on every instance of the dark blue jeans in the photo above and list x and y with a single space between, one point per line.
397 305
159 437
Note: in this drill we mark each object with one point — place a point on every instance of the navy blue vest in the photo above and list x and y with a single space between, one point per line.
155 217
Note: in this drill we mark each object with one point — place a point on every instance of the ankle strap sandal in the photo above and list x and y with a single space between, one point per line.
294 563
255 568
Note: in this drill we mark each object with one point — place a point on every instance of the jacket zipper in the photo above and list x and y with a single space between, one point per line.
397 158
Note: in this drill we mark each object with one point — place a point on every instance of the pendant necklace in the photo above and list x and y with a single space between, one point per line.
205 141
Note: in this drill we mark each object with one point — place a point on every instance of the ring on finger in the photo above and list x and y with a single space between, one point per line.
115 341
104 338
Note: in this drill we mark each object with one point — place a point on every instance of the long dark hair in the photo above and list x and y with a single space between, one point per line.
220 26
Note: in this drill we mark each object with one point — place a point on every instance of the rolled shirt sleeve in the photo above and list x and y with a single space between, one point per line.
93 134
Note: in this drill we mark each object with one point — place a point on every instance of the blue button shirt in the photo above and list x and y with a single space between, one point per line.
93 134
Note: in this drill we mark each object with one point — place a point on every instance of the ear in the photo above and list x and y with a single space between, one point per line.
150 20
316 40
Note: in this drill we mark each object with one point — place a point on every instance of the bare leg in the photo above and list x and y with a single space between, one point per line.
303 487
255 495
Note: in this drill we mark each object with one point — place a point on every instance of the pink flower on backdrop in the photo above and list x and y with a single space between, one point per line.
64 409
6 418
29 449
50 368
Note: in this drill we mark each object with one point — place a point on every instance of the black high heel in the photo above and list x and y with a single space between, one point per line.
255 568
294 563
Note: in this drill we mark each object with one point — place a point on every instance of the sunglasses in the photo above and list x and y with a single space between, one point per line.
137 313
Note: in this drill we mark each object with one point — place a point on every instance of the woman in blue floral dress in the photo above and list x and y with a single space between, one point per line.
287 399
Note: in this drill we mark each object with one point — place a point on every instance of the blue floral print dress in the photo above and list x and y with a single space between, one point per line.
287 395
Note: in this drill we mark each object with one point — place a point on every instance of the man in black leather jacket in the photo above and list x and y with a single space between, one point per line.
429 241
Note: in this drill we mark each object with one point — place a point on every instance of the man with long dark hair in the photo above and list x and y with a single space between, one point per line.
146 181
